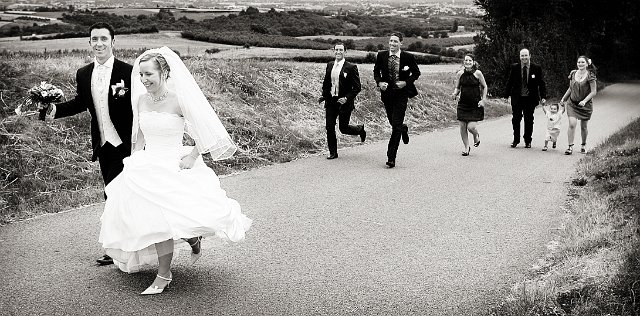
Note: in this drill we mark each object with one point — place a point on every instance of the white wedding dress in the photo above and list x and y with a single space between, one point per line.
153 200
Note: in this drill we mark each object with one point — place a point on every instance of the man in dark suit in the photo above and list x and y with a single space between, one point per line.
527 89
340 87
103 90
394 72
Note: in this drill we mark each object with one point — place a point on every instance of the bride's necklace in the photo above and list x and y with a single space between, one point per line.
581 75
160 98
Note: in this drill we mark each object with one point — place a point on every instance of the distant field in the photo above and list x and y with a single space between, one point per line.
176 13
442 42
269 52
463 34
133 41
467 47
55 15
338 37
173 40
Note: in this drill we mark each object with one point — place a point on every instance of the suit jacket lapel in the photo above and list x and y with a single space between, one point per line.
329 68
86 83
342 72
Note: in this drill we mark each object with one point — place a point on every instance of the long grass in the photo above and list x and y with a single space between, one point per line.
594 269
269 108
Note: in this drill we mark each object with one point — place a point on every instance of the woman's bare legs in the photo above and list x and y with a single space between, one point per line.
464 134
472 127
164 264
583 133
571 133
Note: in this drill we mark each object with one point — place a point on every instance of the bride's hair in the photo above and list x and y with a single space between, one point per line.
161 63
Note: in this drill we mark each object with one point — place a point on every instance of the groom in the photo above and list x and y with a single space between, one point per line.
101 91
394 72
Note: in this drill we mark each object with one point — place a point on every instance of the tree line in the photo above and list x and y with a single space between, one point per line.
556 32
287 23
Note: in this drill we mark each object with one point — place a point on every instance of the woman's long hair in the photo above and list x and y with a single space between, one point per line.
590 66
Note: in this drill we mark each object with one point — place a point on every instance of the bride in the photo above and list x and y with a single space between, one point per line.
166 194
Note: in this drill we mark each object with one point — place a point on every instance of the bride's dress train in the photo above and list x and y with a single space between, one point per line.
153 200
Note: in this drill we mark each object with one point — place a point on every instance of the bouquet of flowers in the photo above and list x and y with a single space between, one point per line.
39 97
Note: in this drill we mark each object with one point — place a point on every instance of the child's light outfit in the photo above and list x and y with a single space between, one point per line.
553 126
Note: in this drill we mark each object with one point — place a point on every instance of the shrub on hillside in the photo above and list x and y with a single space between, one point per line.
252 39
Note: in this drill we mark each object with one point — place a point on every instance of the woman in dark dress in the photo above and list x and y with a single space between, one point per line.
473 92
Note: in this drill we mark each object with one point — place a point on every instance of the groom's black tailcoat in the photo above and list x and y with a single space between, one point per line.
120 110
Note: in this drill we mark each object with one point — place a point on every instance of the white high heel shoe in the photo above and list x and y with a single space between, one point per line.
196 256
151 290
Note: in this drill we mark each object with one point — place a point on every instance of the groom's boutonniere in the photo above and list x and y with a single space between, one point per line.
344 74
405 68
533 76
118 89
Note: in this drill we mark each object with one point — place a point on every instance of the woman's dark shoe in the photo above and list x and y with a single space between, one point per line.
477 143
583 148
466 153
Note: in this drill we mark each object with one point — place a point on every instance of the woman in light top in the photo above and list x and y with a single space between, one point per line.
582 90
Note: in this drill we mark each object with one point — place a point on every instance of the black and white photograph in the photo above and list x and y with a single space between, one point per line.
320 157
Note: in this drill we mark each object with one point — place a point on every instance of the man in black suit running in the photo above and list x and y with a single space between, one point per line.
340 87
103 90
394 72
527 89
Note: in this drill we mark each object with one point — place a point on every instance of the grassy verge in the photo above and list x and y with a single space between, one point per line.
269 107
595 270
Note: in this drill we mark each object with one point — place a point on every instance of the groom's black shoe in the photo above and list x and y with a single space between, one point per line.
405 134
391 163
104 260
514 144
333 156
363 135
527 145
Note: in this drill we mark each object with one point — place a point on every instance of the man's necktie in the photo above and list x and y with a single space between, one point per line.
335 80
525 88
393 68
100 80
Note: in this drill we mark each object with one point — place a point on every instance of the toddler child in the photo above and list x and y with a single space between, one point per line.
553 124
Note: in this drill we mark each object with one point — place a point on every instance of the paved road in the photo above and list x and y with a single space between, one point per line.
440 234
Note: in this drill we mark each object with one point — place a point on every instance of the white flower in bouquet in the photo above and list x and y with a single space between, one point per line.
39 97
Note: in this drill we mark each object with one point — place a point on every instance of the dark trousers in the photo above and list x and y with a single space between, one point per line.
523 107
395 104
110 160
342 113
